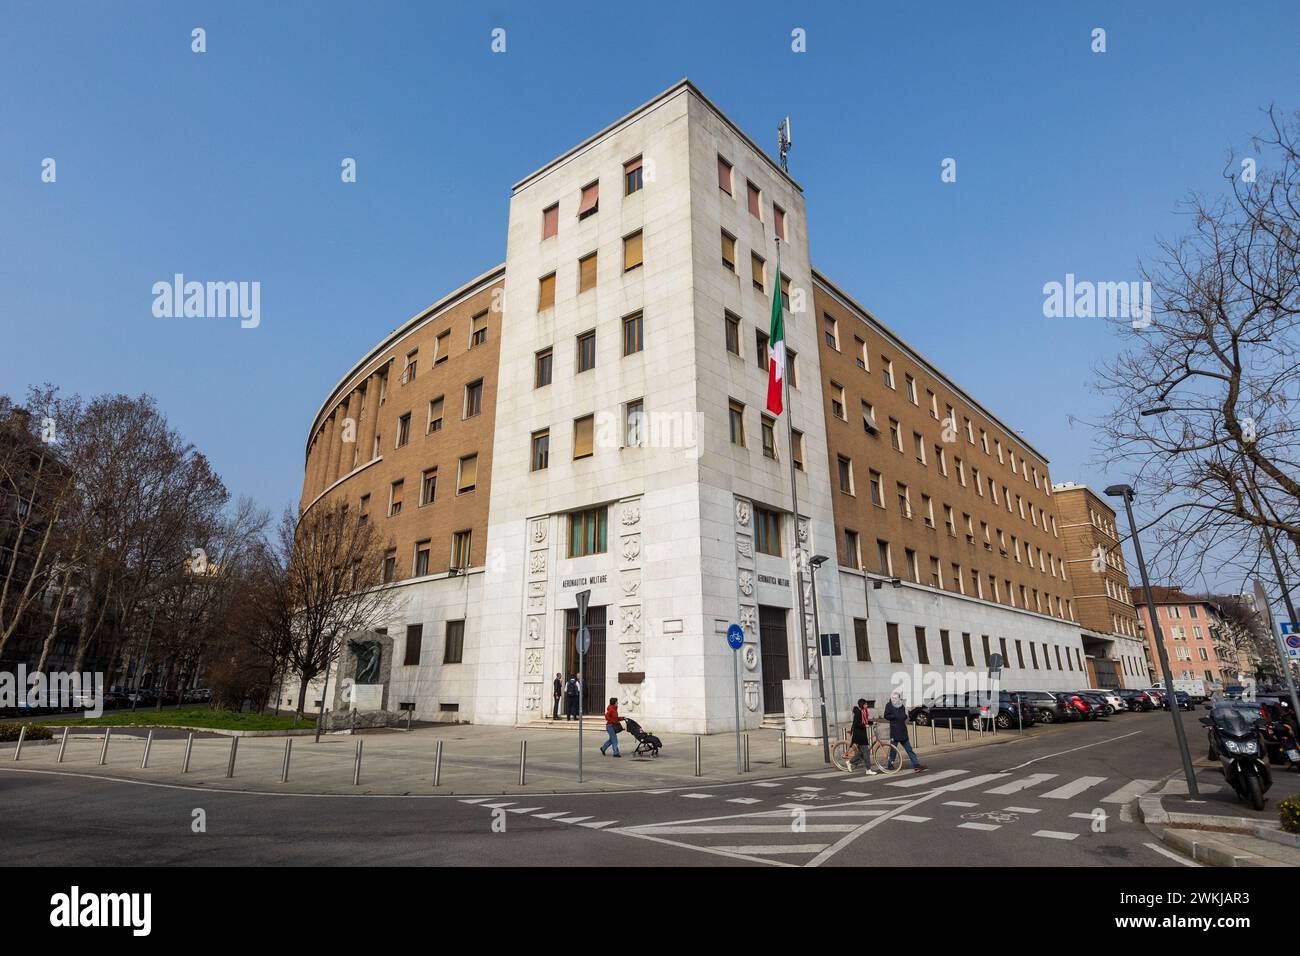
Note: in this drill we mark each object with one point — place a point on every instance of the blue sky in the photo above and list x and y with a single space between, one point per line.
225 165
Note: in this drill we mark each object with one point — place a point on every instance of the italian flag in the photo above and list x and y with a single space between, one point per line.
776 345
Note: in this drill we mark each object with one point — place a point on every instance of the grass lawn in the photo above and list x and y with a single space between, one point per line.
198 717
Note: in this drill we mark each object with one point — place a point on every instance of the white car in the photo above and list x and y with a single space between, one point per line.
1110 697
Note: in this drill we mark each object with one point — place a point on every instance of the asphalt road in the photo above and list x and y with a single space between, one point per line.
1064 799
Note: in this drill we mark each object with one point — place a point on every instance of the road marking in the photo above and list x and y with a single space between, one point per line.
1055 834
811 789
749 828
550 816
597 826
974 781
1130 791
1019 810
715 851
921 780
1171 854
785 812
474 800
1108 740
908 818
959 803
744 800
799 848
523 809
823 776
498 806
854 793
767 785
574 819
1015 786
844 841
696 796
666 791
1072 789
980 826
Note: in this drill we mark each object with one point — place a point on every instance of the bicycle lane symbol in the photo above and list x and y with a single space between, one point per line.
993 816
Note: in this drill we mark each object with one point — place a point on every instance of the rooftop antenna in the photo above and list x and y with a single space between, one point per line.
784 141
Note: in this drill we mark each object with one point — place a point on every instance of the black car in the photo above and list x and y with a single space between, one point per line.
1046 707
1137 700
971 710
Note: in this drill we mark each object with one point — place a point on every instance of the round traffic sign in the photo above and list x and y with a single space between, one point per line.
736 636
584 640
1293 640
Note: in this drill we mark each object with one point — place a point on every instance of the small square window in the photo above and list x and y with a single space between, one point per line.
551 221
633 178
633 333
587 351
632 251
541 450
589 202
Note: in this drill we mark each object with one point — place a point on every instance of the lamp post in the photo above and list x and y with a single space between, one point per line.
1126 492
815 562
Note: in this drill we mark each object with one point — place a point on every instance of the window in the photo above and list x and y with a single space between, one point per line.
460 549
851 557
861 644
934 404
390 566
729 250
831 331
769 438
363 510
936 573
724 175
404 430
860 352
589 204
583 436
736 417
984 440
869 418
755 201
922 647
783 285
760 349
632 176
796 451
454 646
633 341
886 565
546 292
904 500
792 365
966 649
911 389
958 579
918 444
950 520
778 220
877 490
984 640
757 265
846 475
395 498
947 647
767 531
478 330
408 373
441 350
542 368
587 273
586 351
551 221
428 486
467 475
927 510
895 649
474 399
837 401
540 456
733 333
587 532
895 434
414 636
420 567
941 457
887 371
634 423
632 251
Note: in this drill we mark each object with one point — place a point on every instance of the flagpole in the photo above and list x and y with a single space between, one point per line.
803 669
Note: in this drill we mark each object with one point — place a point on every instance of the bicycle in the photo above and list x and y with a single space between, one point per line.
885 755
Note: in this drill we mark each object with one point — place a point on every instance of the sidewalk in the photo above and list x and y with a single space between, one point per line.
476 760
1218 829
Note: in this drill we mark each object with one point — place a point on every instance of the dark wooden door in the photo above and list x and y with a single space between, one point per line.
775 657
593 693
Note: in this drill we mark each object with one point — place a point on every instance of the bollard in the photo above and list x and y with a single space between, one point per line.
523 760
284 767
356 767
437 763
966 721
63 744
189 745
103 750
408 719
230 762
148 742
22 733
697 756
934 733
746 753
1020 716
951 732
784 762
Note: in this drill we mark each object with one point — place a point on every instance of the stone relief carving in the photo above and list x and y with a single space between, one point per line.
533 662
747 619
631 547
537 562
632 658
631 515
745 546
629 695
631 582
532 696
630 620
539 532
537 595
742 513
803 531
750 656
534 628
798 709
751 695
746 583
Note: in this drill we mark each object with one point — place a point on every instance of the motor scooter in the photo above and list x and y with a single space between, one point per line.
1235 740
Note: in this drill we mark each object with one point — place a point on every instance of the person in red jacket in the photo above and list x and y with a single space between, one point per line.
612 726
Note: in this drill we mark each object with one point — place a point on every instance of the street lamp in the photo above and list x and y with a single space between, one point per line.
815 562
1126 492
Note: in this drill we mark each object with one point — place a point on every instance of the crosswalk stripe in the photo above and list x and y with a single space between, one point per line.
522 809
498 806
750 828
811 789
854 793
768 850
550 816
474 800
767 785
907 818
925 779
573 819
597 826
1055 834
1024 783
696 796
1130 791
959 803
745 800
787 807
1072 789
1020 810
823 776
976 781
980 826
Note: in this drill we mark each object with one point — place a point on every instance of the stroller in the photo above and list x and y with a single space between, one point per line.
645 743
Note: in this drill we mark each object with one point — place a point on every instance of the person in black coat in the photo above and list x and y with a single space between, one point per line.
896 714
861 734
571 698
557 691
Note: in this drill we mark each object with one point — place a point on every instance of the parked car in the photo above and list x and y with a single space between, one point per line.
1098 702
1158 696
1048 708
1085 708
1137 700
969 710
1111 697
1183 698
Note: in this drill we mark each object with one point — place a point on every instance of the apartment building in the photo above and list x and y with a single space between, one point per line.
1114 650
601 425
1189 625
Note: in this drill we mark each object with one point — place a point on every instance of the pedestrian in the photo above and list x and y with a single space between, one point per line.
862 735
612 727
896 714
571 698
557 691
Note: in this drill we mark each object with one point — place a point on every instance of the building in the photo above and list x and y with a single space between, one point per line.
1114 650
1191 628
590 416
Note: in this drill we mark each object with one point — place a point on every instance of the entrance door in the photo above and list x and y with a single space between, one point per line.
593 694
776 657
1104 672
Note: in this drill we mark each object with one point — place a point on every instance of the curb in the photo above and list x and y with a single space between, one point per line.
1210 852
1181 831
